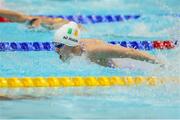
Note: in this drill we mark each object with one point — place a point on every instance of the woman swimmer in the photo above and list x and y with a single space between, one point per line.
67 44
33 21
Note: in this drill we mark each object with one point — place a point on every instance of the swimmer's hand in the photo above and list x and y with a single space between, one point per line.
160 62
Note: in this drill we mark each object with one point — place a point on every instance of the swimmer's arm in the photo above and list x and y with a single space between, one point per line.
114 51
53 24
8 97
13 16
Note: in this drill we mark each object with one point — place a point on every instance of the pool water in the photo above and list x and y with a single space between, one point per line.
158 21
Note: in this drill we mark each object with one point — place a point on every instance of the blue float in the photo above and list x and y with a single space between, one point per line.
93 19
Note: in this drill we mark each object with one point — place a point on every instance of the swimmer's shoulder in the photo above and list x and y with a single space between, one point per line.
91 45
91 41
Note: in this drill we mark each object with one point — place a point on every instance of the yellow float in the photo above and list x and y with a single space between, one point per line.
28 82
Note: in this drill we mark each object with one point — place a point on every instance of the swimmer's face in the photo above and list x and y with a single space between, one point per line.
34 22
64 52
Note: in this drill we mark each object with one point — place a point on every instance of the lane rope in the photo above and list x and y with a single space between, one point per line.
93 19
28 82
48 46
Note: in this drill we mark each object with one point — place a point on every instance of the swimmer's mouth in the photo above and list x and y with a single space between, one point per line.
58 45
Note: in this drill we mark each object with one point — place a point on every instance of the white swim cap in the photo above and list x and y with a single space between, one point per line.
68 34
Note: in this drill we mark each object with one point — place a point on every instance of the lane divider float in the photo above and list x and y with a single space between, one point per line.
28 82
48 46
93 19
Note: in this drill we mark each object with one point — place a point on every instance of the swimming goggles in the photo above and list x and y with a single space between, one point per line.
58 45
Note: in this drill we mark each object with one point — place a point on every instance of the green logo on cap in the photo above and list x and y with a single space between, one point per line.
69 31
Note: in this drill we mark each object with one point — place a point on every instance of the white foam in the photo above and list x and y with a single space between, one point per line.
135 64
141 29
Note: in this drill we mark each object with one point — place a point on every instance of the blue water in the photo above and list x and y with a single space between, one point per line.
157 22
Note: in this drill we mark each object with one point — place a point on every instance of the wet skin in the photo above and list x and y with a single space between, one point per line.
100 52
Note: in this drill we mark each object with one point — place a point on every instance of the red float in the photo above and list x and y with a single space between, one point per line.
3 19
163 44
158 44
168 44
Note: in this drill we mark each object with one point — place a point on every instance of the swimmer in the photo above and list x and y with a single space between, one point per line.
68 44
34 21
22 97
